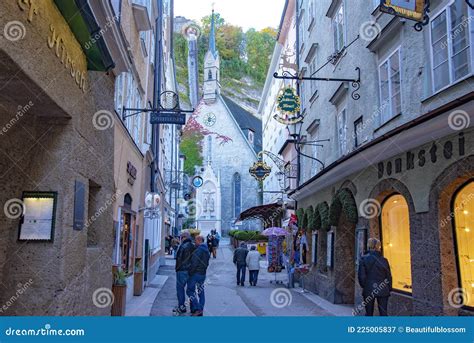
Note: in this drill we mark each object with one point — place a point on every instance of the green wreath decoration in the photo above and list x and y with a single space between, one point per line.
321 216
301 218
309 218
343 201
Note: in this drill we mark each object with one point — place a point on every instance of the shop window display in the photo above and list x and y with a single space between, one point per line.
396 241
464 227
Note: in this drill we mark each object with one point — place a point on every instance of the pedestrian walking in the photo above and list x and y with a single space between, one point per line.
240 256
215 244
253 264
199 263
167 245
183 266
375 278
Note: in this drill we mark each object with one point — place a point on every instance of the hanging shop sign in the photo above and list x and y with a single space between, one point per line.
288 105
168 118
39 215
420 158
409 9
152 200
260 170
198 181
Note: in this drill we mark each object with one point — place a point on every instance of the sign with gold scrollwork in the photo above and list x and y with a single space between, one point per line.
288 105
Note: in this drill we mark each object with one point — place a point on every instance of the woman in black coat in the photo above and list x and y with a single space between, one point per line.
375 278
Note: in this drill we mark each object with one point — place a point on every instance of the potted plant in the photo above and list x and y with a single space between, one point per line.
119 289
138 278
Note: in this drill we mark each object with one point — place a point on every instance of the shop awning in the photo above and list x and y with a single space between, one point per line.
262 212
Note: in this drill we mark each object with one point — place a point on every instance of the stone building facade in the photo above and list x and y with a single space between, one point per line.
398 163
146 157
52 259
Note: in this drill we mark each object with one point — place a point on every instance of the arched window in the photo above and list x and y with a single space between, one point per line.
127 200
396 241
237 194
209 75
464 227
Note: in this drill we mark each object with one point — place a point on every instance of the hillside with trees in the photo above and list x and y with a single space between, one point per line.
245 58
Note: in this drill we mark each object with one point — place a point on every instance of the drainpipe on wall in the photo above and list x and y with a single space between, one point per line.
155 132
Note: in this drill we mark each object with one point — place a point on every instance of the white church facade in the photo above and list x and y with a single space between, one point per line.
233 137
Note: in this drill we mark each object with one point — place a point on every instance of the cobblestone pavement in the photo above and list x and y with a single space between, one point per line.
225 298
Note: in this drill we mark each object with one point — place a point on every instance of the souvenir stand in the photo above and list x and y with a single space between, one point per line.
276 236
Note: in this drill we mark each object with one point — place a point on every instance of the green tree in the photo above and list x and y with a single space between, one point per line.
191 147
259 48
206 22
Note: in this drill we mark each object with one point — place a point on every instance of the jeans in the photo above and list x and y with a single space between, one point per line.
182 279
241 273
253 277
382 303
195 292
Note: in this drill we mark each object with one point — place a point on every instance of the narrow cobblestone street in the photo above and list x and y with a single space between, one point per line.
225 298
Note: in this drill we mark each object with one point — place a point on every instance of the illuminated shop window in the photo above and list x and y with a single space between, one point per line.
464 220
396 241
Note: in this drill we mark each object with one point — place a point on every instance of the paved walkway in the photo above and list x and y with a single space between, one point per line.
225 298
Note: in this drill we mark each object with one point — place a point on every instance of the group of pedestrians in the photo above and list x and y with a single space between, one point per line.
171 244
245 259
192 260
213 239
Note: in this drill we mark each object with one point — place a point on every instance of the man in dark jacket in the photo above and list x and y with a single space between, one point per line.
197 276
240 255
183 265
375 278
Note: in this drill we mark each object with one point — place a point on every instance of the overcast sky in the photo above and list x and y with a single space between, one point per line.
245 13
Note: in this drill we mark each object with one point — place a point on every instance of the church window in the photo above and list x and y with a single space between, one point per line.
251 136
209 149
237 194
209 75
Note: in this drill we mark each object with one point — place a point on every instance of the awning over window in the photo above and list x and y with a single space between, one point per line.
262 212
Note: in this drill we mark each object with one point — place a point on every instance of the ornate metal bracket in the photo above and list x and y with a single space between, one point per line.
426 18
355 83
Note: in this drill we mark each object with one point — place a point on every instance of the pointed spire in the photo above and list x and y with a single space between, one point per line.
212 36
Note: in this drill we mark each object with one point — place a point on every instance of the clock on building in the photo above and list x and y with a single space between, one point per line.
209 119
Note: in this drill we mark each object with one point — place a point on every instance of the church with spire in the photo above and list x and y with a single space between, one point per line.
232 140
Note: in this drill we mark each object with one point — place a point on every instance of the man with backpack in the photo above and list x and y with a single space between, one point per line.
199 263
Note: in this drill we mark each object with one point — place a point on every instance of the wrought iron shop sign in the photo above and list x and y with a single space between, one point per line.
168 118
260 170
409 9
288 105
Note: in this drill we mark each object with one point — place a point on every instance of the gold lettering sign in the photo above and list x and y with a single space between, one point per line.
60 40
409 9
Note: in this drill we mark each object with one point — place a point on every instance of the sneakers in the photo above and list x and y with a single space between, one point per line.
179 311
198 314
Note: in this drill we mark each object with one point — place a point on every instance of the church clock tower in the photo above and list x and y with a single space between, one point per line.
211 67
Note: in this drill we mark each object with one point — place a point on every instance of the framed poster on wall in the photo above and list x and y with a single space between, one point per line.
37 222
361 243
330 249
314 248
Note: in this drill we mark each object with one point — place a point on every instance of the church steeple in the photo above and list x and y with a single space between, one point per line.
211 66
212 36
